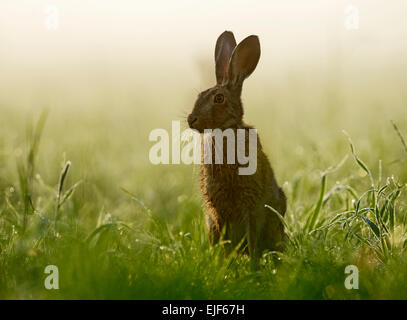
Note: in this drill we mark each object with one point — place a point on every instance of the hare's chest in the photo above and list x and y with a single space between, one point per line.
222 190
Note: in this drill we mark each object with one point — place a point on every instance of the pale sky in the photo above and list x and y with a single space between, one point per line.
156 37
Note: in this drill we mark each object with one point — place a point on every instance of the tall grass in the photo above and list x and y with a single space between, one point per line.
103 253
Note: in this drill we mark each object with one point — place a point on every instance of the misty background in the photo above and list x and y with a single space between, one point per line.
112 71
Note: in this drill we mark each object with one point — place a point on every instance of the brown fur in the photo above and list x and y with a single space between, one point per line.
235 204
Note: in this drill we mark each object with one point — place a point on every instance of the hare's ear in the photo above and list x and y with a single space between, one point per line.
225 45
244 60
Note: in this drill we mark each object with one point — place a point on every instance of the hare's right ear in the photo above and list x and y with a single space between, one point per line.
225 45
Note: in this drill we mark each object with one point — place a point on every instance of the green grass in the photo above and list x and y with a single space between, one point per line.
78 192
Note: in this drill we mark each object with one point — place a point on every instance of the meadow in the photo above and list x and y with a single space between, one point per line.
78 192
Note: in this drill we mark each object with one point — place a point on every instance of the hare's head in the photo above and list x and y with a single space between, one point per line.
220 106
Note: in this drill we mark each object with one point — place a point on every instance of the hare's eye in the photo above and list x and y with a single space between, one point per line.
218 98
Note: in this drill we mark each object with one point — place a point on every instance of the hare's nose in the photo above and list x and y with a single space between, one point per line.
191 120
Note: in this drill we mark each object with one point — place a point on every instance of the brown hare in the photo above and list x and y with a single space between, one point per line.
235 204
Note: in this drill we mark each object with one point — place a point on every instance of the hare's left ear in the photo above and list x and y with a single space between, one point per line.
225 45
244 60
